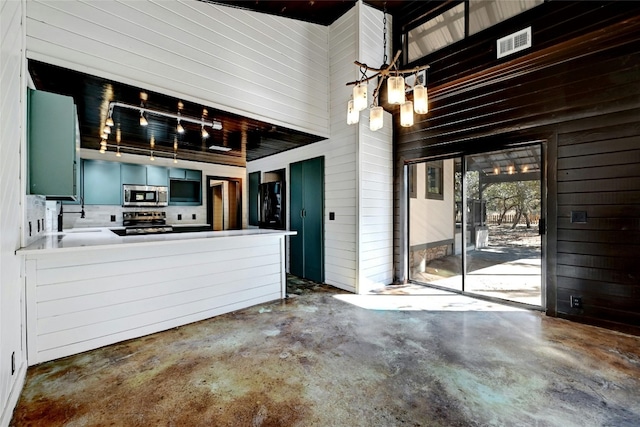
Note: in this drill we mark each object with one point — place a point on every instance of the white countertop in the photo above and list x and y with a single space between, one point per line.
78 239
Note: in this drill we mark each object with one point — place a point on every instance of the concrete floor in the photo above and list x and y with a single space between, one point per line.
326 358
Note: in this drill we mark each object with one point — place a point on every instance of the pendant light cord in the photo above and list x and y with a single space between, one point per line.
384 32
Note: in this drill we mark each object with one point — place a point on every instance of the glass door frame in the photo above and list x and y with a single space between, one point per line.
406 226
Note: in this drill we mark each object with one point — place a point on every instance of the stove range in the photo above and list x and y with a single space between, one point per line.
145 222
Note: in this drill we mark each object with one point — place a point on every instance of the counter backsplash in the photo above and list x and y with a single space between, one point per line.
36 219
101 215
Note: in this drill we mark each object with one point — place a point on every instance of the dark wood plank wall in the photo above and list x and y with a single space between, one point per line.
598 172
578 89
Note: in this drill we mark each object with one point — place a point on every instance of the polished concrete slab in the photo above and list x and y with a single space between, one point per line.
326 358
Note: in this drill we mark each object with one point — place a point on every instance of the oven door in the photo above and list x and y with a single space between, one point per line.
140 195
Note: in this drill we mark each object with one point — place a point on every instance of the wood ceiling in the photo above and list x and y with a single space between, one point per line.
323 12
248 139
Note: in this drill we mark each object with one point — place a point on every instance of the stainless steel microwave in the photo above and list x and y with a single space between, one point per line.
144 195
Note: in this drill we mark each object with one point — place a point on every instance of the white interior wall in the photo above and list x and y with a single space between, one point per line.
260 66
12 115
432 220
358 165
375 164
339 153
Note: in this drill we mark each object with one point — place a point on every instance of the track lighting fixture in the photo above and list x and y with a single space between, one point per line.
203 122
175 149
109 121
118 152
143 120
151 157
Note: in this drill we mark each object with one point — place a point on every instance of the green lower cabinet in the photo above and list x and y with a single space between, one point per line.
101 182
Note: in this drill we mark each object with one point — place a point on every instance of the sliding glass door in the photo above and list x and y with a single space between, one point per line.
490 201
435 234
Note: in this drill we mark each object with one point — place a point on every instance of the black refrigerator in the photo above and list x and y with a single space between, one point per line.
271 198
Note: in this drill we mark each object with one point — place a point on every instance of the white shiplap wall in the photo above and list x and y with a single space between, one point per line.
257 65
78 301
375 162
358 165
12 90
339 153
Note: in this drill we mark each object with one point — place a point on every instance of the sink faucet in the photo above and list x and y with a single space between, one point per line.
60 214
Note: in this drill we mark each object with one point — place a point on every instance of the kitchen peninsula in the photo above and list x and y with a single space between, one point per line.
87 288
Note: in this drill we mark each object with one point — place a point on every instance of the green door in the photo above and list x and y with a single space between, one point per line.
307 218
296 223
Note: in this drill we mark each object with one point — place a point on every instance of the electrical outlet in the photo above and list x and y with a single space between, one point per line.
113 218
193 216
179 217
13 363
576 302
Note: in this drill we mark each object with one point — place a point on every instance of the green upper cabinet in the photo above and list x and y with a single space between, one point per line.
185 187
157 175
133 174
190 174
144 175
193 175
53 145
101 182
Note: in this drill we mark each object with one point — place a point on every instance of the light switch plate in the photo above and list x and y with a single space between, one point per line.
579 217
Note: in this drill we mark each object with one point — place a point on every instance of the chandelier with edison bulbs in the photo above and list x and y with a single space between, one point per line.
395 94
395 91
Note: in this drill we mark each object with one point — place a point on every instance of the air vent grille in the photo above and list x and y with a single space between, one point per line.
514 42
